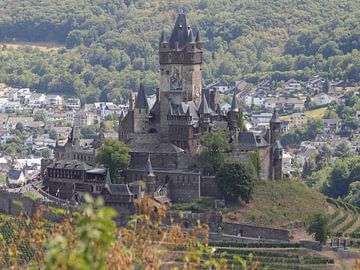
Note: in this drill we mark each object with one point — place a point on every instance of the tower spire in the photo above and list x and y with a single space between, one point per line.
141 100
197 38
275 117
148 168
234 104
204 107
162 38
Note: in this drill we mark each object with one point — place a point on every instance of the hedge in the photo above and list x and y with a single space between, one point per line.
255 244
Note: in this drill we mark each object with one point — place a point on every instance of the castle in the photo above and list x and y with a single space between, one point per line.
164 139
167 134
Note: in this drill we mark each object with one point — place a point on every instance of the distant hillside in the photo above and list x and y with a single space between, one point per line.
111 44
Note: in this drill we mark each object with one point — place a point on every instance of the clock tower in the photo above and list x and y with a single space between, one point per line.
180 60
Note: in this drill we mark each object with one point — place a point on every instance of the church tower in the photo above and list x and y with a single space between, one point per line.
180 60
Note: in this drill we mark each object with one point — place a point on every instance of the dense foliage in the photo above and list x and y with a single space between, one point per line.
318 225
215 147
111 44
235 180
115 156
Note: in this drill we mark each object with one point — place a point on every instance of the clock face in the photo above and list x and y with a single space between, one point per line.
175 79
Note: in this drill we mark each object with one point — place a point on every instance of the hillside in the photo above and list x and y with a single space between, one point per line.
279 203
110 44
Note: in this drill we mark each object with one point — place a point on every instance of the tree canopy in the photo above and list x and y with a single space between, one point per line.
235 180
318 225
113 155
107 46
215 147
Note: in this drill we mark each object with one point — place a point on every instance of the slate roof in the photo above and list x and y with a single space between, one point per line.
204 107
180 33
14 174
70 165
251 139
275 117
164 148
116 189
184 108
141 100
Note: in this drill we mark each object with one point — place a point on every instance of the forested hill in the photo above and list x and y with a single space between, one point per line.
111 44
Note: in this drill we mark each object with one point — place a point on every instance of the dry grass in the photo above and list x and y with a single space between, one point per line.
279 203
316 113
42 46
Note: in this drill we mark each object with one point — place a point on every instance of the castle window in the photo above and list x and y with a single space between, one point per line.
182 56
193 46
164 46
170 57
167 72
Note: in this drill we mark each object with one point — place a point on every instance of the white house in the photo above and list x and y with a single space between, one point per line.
285 104
73 104
292 85
54 100
316 83
322 99
36 100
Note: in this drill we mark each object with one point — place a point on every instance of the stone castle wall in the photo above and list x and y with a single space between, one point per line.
15 203
248 230
208 187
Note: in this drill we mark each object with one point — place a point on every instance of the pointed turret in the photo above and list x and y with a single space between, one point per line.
108 178
197 38
191 37
180 33
204 107
141 100
275 117
148 168
162 38
234 104
150 178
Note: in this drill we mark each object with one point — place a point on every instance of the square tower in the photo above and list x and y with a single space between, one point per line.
180 60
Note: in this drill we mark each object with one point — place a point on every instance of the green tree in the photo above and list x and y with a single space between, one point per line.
353 196
19 127
318 225
74 39
53 134
339 179
234 180
113 155
215 147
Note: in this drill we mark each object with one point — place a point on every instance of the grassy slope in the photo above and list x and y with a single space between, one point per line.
278 203
316 113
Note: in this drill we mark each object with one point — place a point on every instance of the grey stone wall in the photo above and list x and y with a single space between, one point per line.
248 230
209 187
